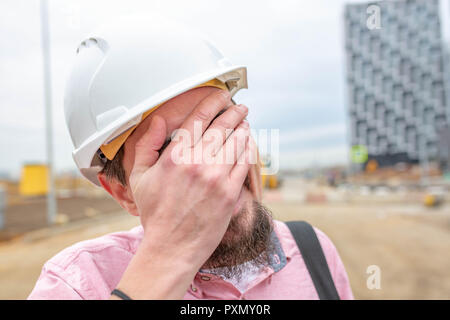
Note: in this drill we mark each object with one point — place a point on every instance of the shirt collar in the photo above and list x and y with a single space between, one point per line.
277 258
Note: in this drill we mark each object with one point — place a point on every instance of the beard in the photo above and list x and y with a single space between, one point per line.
247 243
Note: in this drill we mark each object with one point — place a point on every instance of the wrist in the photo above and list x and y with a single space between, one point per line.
152 275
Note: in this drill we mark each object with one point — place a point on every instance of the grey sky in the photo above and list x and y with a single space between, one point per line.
293 49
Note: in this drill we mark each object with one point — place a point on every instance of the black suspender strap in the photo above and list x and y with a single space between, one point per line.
314 258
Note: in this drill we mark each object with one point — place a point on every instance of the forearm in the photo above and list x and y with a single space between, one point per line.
149 277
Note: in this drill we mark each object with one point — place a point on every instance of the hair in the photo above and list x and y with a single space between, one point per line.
113 169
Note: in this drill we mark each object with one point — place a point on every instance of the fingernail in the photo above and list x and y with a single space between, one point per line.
242 108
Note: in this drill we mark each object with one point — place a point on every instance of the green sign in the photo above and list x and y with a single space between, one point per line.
359 154
447 176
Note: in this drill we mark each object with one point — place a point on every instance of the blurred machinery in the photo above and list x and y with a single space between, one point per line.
434 197
371 166
270 181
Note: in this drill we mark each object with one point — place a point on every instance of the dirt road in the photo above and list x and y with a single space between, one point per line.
410 246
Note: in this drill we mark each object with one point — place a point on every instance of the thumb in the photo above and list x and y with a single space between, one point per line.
146 148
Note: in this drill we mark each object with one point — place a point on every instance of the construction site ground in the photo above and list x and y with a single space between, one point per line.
407 241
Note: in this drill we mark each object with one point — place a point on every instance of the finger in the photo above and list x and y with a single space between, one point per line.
234 146
147 147
240 170
203 114
223 126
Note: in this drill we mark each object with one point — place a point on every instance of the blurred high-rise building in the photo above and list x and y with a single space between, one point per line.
398 97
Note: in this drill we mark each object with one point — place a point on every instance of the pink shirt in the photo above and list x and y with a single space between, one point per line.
91 269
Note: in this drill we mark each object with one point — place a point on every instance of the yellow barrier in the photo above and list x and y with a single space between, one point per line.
34 180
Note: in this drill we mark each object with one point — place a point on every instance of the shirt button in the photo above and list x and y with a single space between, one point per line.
193 288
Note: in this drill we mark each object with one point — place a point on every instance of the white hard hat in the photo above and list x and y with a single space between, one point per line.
128 67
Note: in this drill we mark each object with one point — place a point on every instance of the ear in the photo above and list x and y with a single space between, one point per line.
119 193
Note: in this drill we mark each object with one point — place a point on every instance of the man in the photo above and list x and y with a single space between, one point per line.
150 111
